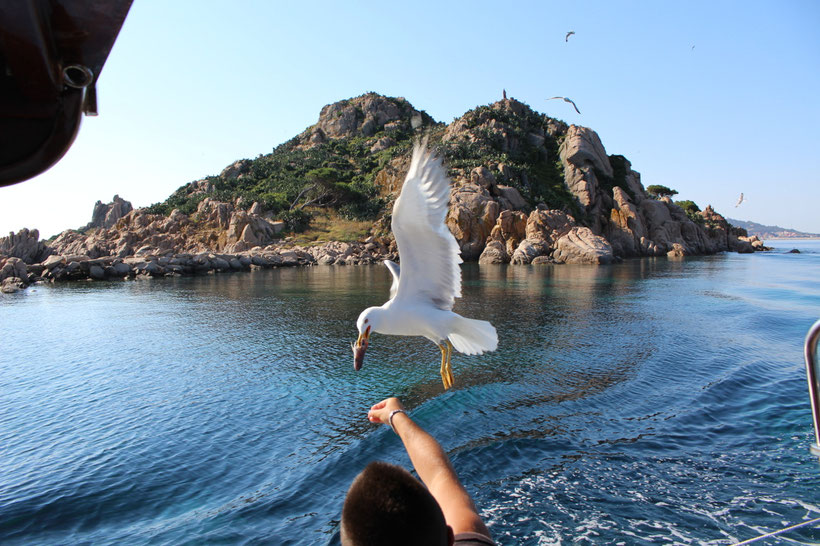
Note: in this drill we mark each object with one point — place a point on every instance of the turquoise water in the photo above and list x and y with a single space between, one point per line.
651 401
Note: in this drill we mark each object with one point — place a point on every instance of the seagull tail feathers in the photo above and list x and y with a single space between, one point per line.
473 337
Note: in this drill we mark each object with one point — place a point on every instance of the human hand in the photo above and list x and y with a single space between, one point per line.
380 412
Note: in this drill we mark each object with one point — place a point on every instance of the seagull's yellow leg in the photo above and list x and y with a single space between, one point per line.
445 378
450 377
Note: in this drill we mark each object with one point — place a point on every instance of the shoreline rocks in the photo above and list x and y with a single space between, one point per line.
16 274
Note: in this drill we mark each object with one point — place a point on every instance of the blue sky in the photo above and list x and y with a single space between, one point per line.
192 86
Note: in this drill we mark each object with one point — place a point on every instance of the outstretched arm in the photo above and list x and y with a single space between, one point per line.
433 467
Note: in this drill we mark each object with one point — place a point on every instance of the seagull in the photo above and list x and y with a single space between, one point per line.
429 279
570 33
565 99
740 200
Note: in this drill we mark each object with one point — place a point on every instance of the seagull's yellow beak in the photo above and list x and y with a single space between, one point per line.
360 348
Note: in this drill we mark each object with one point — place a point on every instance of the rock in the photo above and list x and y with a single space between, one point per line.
471 217
261 261
289 258
528 250
13 267
677 251
494 253
510 197
25 245
10 285
122 269
214 212
794 251
756 243
739 245
106 216
525 237
662 231
581 246
236 169
53 261
625 229
219 263
585 160
582 146
382 144
246 231
363 115
505 236
539 260
482 176
548 225
96 272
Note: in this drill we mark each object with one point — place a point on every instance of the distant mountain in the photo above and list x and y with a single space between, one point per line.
771 232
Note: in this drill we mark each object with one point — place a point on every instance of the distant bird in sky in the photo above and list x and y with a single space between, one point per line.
565 99
429 280
740 200
570 33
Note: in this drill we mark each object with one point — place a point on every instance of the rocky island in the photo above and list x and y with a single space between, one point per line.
527 189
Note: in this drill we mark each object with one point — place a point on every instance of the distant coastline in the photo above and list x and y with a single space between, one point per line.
792 239
772 233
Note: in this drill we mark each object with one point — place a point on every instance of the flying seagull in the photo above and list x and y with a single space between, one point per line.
423 290
570 33
565 99
740 200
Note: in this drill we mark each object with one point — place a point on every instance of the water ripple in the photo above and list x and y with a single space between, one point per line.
651 401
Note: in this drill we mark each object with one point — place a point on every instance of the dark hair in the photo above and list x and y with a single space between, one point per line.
387 505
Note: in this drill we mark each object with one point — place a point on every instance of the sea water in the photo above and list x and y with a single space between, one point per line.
655 400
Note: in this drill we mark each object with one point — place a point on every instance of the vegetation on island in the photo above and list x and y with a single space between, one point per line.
349 178
301 180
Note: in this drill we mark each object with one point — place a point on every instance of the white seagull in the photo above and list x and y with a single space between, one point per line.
422 295
565 99
740 200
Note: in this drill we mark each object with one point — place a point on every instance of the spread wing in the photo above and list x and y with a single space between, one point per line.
394 269
428 252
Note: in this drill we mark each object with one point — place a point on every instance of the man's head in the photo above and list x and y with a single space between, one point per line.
387 505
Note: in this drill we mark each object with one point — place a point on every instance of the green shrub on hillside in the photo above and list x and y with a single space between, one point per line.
692 210
538 174
657 191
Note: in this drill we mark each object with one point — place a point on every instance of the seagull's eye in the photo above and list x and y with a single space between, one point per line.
366 321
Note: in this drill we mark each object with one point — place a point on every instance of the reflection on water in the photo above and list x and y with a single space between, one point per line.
653 400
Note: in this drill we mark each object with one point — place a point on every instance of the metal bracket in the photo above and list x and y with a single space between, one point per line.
810 354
